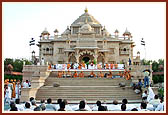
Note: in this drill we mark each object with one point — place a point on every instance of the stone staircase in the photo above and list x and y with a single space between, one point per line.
91 89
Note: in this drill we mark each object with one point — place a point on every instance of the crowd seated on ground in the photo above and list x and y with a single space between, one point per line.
63 105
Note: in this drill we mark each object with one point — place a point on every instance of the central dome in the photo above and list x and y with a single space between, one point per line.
86 16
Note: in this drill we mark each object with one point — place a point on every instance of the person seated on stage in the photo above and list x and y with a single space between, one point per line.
72 66
80 66
75 74
68 66
81 74
60 74
92 75
107 66
111 66
83 65
64 74
68 75
109 75
116 66
100 75
49 66
99 66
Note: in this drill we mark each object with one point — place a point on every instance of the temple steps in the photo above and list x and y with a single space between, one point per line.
91 89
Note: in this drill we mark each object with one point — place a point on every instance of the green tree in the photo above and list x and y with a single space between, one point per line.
17 64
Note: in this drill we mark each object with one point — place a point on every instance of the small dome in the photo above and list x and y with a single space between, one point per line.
126 33
116 31
55 31
45 32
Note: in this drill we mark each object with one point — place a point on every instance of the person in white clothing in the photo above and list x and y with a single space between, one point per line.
144 96
150 94
114 107
17 90
155 102
27 107
160 107
26 84
8 94
18 105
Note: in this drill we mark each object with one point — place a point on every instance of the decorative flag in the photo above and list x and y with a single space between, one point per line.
142 42
32 41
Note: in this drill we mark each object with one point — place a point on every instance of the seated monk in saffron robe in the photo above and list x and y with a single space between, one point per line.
80 66
63 74
92 75
83 65
109 75
101 75
111 66
60 74
116 66
107 66
75 74
49 67
68 74
68 66
81 74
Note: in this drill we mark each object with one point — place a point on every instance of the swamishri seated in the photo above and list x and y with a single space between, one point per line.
75 74
92 75
60 74
101 75
81 74
68 75
109 75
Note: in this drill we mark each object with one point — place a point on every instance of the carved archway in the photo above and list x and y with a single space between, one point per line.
72 58
100 58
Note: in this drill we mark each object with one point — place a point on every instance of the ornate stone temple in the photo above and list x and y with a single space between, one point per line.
86 40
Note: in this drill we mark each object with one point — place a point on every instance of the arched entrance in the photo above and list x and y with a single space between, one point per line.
86 59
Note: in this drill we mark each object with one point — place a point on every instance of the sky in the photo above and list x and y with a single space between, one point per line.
23 21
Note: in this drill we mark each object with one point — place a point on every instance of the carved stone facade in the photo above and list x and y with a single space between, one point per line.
86 40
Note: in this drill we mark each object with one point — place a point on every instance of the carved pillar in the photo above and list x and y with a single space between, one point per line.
77 55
